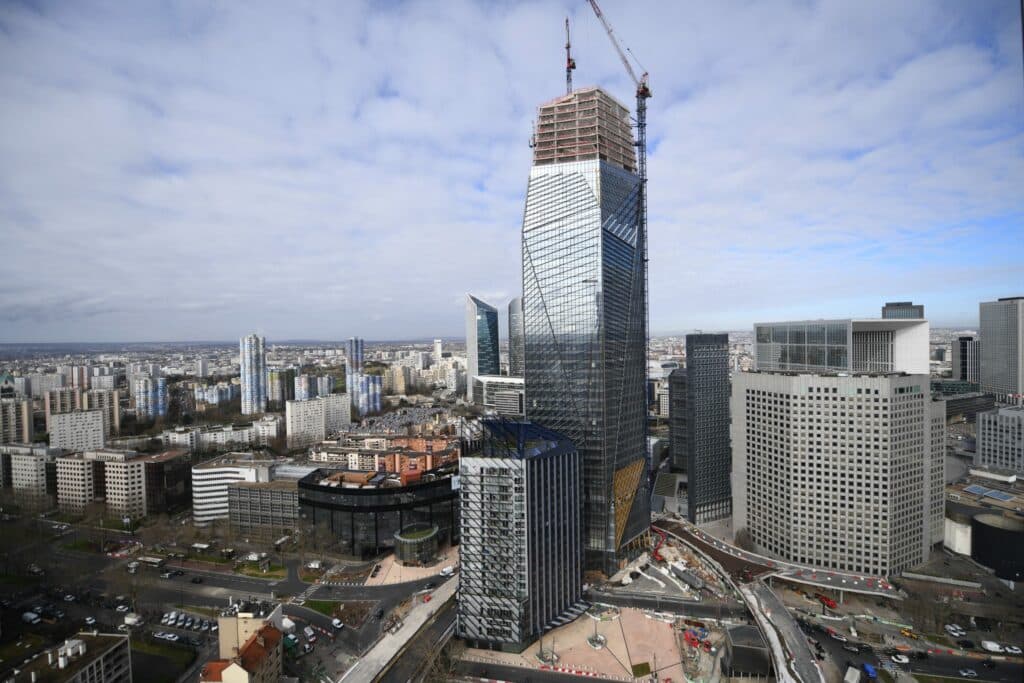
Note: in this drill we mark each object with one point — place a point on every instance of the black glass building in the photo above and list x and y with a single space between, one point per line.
482 356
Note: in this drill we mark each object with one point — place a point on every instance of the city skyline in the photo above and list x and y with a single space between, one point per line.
907 163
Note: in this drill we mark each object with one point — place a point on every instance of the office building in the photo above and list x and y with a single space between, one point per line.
265 510
15 420
258 660
585 311
80 430
699 426
31 475
150 397
516 338
312 421
363 510
61 400
967 359
902 310
482 356
168 479
887 345
125 483
838 471
253 367
1001 439
210 482
87 657
500 395
521 535
77 480
1001 330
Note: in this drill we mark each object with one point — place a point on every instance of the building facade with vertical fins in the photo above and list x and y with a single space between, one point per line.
1001 328
585 311
967 359
521 535
482 356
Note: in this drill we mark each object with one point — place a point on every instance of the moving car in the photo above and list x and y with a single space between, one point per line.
310 634
900 659
1012 650
89 621
968 673
966 644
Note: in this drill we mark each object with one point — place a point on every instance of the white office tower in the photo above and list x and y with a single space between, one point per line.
1001 328
253 365
210 482
1001 439
79 430
838 471
438 353
521 531
311 421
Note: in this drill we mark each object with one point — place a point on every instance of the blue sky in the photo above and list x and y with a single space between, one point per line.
175 171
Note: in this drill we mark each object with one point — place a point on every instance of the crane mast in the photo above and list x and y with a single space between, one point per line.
570 63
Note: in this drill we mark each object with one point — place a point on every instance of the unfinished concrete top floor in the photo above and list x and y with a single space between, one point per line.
586 124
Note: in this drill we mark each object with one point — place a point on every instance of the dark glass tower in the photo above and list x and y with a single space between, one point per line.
585 311
516 351
699 426
481 341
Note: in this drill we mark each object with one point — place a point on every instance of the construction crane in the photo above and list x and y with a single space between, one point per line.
570 63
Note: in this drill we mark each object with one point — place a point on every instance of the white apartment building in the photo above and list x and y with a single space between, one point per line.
210 482
838 471
28 476
109 401
80 430
76 485
312 421
61 400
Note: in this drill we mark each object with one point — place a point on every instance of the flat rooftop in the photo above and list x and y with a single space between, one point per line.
95 645
235 459
277 484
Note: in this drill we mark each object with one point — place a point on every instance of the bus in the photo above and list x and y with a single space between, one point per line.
155 562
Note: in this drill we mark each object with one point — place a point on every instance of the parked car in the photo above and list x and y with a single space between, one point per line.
90 621
968 673
336 623
966 644
165 575
1013 650
197 579
122 608
69 598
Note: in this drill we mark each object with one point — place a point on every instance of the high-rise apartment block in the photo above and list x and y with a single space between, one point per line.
438 351
109 402
61 400
838 471
15 420
967 359
1001 439
280 386
516 338
585 311
80 430
354 366
305 387
309 422
1001 328
699 426
902 310
324 385
253 364
886 345
482 357
521 535
202 367
151 397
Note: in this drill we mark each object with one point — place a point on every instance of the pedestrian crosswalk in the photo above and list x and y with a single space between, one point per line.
301 598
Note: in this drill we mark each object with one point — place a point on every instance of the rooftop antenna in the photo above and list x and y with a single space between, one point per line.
570 63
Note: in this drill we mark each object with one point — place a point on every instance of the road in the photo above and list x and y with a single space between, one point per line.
803 660
421 651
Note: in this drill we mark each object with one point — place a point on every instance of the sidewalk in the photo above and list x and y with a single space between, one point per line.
391 644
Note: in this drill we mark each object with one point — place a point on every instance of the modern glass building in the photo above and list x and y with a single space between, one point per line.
902 310
967 359
585 311
481 341
699 426
516 350
1001 328
521 539
253 364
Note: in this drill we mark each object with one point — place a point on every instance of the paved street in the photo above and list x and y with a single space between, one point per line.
803 660
422 648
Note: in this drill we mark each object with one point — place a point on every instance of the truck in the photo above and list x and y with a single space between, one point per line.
287 625
31 618
132 619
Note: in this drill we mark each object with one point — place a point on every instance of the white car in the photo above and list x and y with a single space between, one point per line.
838 636
336 623
900 659
122 608
89 621
1013 650
968 673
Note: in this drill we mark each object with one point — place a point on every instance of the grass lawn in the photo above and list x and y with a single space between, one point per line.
16 650
179 655
325 607
83 545
275 571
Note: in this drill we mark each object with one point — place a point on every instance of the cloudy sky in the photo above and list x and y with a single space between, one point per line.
197 170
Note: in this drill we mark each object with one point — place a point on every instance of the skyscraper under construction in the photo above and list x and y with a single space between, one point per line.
585 310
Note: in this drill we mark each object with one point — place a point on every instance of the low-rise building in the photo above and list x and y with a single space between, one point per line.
259 660
265 510
210 481
88 657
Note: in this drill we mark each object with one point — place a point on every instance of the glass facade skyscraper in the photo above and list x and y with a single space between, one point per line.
585 311
516 350
253 365
481 341
1001 327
